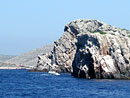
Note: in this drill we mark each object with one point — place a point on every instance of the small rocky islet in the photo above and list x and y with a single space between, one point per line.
89 49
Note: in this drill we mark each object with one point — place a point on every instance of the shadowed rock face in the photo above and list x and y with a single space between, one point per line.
90 49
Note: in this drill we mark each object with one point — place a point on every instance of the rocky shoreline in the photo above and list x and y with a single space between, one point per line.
28 68
90 49
12 66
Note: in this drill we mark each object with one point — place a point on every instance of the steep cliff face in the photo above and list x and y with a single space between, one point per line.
90 49
61 57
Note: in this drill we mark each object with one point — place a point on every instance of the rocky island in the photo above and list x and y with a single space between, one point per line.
90 49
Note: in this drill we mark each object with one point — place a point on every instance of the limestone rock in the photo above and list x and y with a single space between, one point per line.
90 49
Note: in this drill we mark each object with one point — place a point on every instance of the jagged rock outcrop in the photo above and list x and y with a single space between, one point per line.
90 49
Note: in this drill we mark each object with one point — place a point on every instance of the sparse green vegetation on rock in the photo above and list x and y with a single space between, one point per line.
99 32
102 32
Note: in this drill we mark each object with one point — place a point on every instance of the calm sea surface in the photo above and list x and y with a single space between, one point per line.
23 84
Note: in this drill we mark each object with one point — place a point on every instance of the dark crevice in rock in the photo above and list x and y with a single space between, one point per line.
122 51
83 59
73 30
66 28
126 61
99 72
82 41
117 67
91 71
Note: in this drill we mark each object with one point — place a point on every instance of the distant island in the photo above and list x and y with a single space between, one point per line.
24 61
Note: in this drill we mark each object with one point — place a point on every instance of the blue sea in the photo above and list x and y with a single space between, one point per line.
24 84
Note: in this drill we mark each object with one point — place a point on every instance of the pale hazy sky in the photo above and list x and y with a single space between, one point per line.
29 24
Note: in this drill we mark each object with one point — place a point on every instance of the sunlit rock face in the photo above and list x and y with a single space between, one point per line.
90 49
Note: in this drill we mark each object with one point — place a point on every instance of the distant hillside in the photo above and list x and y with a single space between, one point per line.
5 57
30 58
6 65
